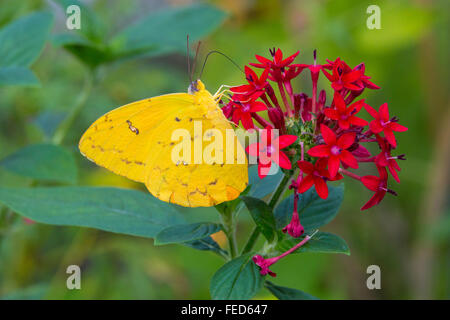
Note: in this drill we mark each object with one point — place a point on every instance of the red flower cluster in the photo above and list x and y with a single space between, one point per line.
325 140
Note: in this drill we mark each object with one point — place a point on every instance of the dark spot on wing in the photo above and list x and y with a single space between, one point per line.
132 128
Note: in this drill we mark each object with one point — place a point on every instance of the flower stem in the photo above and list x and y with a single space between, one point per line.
263 122
276 196
285 100
229 228
350 174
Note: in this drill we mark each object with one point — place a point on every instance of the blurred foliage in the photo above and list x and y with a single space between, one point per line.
407 236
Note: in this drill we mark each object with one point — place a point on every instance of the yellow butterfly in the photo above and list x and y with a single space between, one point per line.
135 141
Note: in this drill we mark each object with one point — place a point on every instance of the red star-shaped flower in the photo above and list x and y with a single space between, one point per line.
345 116
243 112
385 159
335 149
383 123
269 149
343 76
363 81
317 175
277 62
376 184
256 85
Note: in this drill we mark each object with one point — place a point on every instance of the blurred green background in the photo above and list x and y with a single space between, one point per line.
407 236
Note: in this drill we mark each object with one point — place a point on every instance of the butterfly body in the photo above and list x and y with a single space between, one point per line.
136 141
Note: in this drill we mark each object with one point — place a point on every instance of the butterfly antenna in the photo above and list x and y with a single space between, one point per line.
188 59
195 59
215 51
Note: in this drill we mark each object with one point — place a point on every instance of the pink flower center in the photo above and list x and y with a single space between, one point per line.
344 117
246 108
335 150
270 150
383 124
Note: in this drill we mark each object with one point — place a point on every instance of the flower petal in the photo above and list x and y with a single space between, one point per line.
371 182
351 76
283 161
371 111
328 135
322 150
355 107
339 102
348 159
331 113
257 106
253 149
356 121
306 183
346 140
263 169
372 202
397 127
384 112
245 88
305 166
321 187
333 165
390 137
247 121
344 124
286 140
375 126
394 174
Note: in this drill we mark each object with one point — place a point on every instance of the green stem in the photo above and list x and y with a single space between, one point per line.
64 127
276 196
228 223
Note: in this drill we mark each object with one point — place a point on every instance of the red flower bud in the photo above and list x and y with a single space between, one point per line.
277 118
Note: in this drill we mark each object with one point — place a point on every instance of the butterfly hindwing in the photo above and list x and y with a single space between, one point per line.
196 184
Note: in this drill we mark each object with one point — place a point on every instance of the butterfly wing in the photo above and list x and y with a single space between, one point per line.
120 139
189 184
135 141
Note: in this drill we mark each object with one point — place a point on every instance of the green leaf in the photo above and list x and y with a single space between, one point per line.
284 293
111 209
262 215
206 243
323 242
263 187
238 279
19 76
88 52
186 232
22 41
45 162
47 121
314 211
146 35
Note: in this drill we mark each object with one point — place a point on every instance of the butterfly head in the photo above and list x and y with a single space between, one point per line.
196 86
